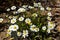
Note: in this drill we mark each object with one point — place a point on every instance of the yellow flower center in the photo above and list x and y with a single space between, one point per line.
33 28
8 31
15 27
7 35
13 21
24 33
18 33
50 26
51 22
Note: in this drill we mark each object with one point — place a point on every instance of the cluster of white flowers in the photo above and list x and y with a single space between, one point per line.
49 16
49 19
14 27
9 31
1 20
37 4
34 28
11 28
51 26
12 8
41 7
24 34
25 7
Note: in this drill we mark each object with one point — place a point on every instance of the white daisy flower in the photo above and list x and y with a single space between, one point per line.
36 29
13 7
49 14
44 28
39 4
51 25
19 33
21 10
25 33
36 5
48 8
15 12
9 32
13 20
32 28
25 6
14 27
34 15
10 17
11 27
8 9
42 8
48 30
49 18
1 20
28 21
21 18
30 7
